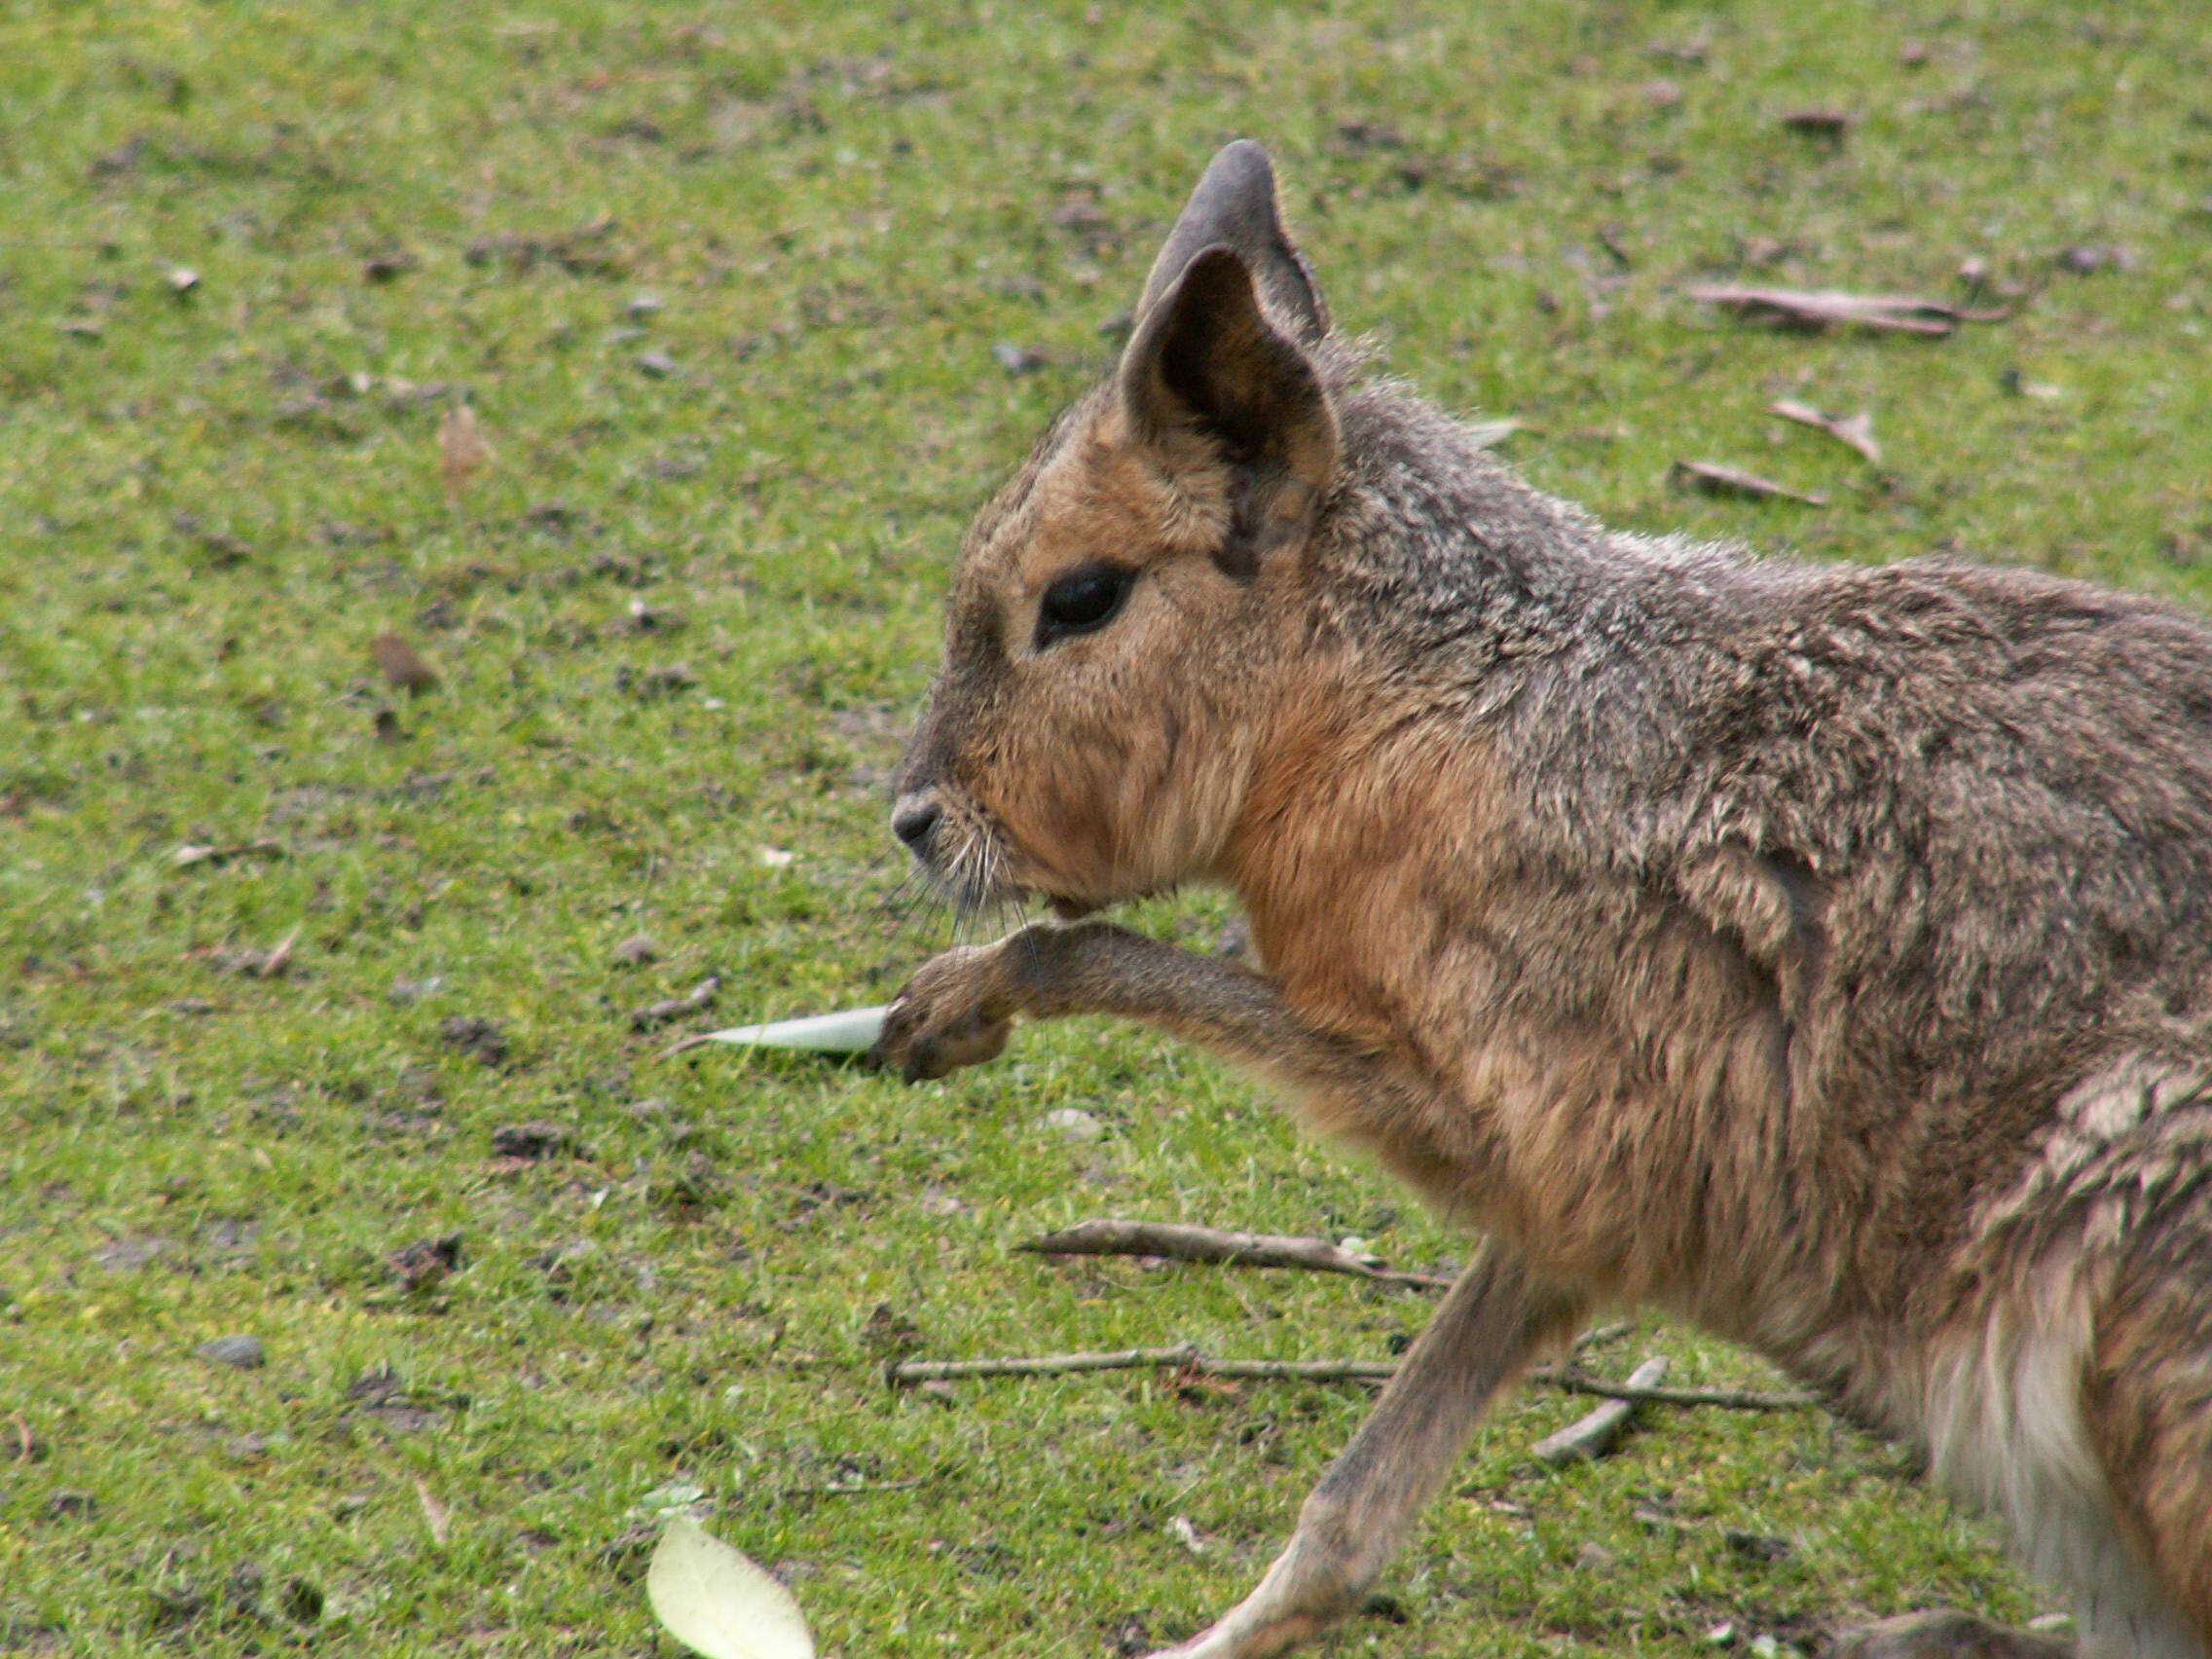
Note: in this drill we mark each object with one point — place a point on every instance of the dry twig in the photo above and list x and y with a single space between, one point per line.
1180 1243
1592 1436
1189 1358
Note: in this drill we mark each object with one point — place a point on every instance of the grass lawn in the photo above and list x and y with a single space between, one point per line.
752 305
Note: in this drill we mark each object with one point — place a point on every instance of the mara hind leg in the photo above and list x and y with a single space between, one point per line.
2091 1439
2147 1405
2075 1403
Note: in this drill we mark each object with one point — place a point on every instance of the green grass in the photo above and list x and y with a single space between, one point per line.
212 503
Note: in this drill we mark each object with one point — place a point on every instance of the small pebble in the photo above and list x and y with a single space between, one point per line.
243 1353
1075 1125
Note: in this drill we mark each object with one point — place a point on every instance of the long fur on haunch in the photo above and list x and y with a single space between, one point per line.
1822 953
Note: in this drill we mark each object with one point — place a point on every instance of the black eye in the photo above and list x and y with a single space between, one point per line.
1082 601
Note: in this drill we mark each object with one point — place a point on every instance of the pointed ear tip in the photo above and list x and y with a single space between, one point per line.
1247 157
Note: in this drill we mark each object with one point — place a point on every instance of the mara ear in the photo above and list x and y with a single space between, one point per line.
1205 359
1234 206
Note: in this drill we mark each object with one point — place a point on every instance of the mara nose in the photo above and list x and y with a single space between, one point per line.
913 821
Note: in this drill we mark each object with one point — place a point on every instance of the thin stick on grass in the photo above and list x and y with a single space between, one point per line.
1189 1358
1590 1437
1176 1243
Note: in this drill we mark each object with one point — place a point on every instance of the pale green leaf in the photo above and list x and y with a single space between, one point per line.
719 1604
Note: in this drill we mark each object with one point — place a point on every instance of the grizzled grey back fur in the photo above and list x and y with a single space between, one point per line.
2013 772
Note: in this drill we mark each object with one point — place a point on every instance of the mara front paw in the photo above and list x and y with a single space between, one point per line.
957 1010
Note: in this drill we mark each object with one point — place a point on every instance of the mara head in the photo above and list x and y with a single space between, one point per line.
1124 614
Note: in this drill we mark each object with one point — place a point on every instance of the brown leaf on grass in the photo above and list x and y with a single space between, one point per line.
402 664
270 964
700 996
644 618
1855 432
435 1515
462 452
1718 480
426 1262
478 1038
2088 260
581 252
195 853
1821 122
1815 309
532 1142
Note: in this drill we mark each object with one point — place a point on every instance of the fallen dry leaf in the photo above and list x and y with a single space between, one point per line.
1180 1529
479 1037
532 1142
1821 123
435 1514
2088 261
204 852
700 996
402 664
1718 480
1892 314
462 452
1857 432
270 964
426 1262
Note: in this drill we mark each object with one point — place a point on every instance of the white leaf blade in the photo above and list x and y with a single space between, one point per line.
852 1032
721 1604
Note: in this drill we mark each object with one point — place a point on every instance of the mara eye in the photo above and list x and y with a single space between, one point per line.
1082 601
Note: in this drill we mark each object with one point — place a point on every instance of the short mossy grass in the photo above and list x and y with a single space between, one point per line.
753 305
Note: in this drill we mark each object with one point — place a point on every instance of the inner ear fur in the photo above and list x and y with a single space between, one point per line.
1235 207
1205 358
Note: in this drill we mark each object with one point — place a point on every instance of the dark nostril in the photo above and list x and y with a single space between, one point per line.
912 823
